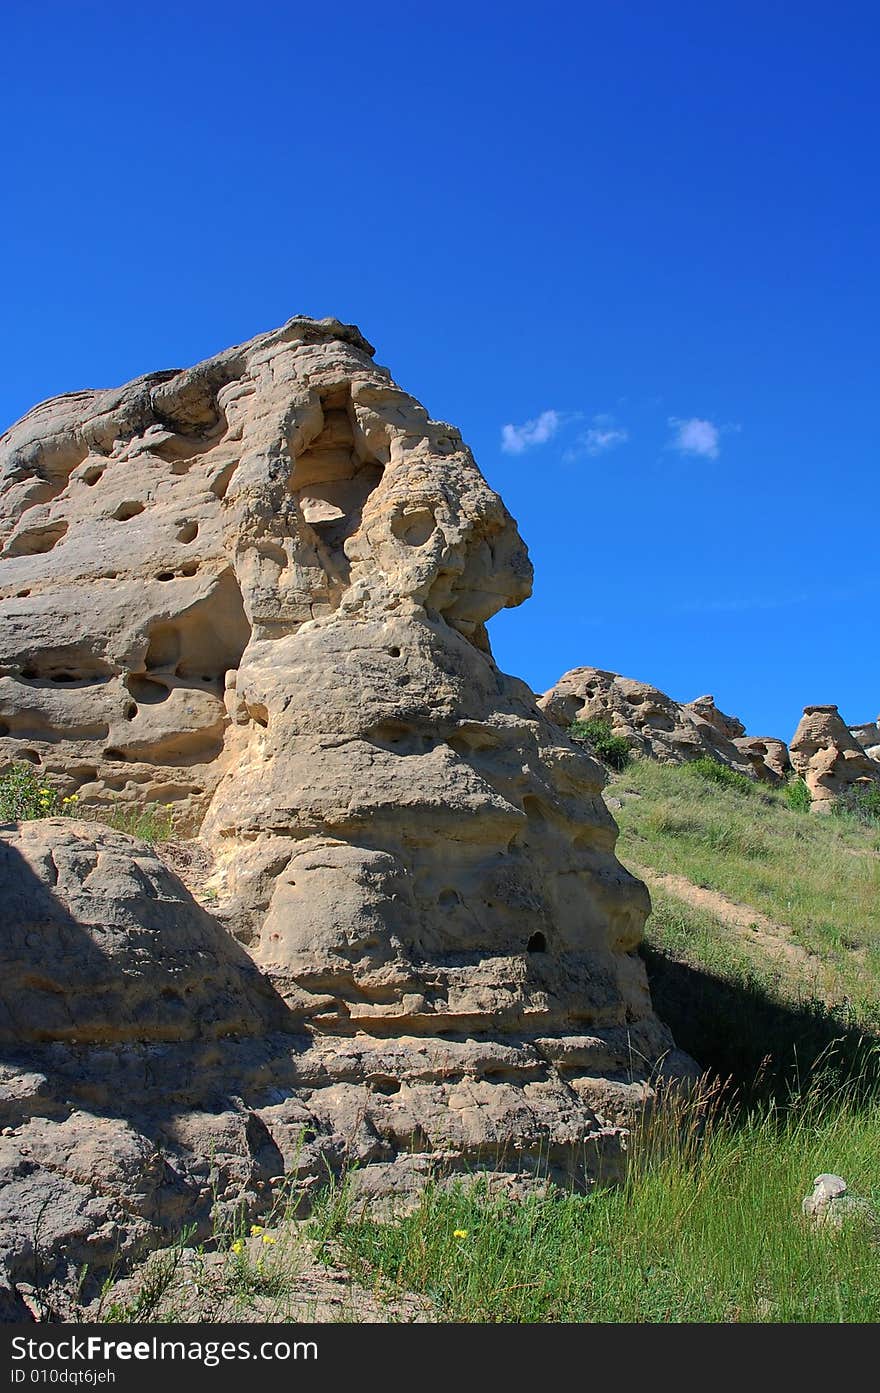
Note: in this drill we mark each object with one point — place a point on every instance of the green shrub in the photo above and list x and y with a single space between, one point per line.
25 795
718 773
611 748
862 801
797 795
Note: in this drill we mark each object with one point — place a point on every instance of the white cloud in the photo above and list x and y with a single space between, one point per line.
695 437
516 439
598 439
603 435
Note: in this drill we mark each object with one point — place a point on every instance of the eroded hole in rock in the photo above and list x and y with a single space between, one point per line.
93 474
130 509
31 756
114 756
393 652
537 944
414 528
331 480
37 540
22 594
383 1083
165 575
188 532
145 691
201 644
131 711
400 738
4 729
190 568
67 666
220 485
534 809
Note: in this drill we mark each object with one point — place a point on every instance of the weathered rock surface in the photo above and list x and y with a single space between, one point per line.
656 726
257 590
828 758
868 736
768 757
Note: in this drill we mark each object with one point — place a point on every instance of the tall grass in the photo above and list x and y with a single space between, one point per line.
707 1227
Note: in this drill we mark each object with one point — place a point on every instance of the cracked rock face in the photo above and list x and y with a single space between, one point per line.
257 591
828 757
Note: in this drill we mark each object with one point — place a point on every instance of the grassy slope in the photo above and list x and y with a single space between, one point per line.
729 1000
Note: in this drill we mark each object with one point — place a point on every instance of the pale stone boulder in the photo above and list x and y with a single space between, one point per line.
828 758
831 1204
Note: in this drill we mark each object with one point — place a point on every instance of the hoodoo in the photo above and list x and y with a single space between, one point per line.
257 591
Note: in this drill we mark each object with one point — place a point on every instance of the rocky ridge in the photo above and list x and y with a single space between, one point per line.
657 727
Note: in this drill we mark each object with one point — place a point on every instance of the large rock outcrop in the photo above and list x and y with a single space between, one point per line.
257 591
657 727
829 759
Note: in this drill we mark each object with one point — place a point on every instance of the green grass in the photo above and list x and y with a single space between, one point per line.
699 1232
818 876
750 1017
718 773
149 823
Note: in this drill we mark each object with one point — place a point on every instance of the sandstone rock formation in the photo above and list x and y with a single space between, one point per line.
257 591
704 709
768 757
825 754
656 726
868 736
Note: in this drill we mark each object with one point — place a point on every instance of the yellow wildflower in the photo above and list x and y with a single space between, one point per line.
459 1233
267 1238
256 1229
238 1246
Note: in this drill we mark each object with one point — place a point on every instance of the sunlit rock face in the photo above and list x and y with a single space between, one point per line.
659 728
256 591
827 755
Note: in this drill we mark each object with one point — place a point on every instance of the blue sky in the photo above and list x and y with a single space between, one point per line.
630 249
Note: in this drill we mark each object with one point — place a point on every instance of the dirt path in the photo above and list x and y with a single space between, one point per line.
748 922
